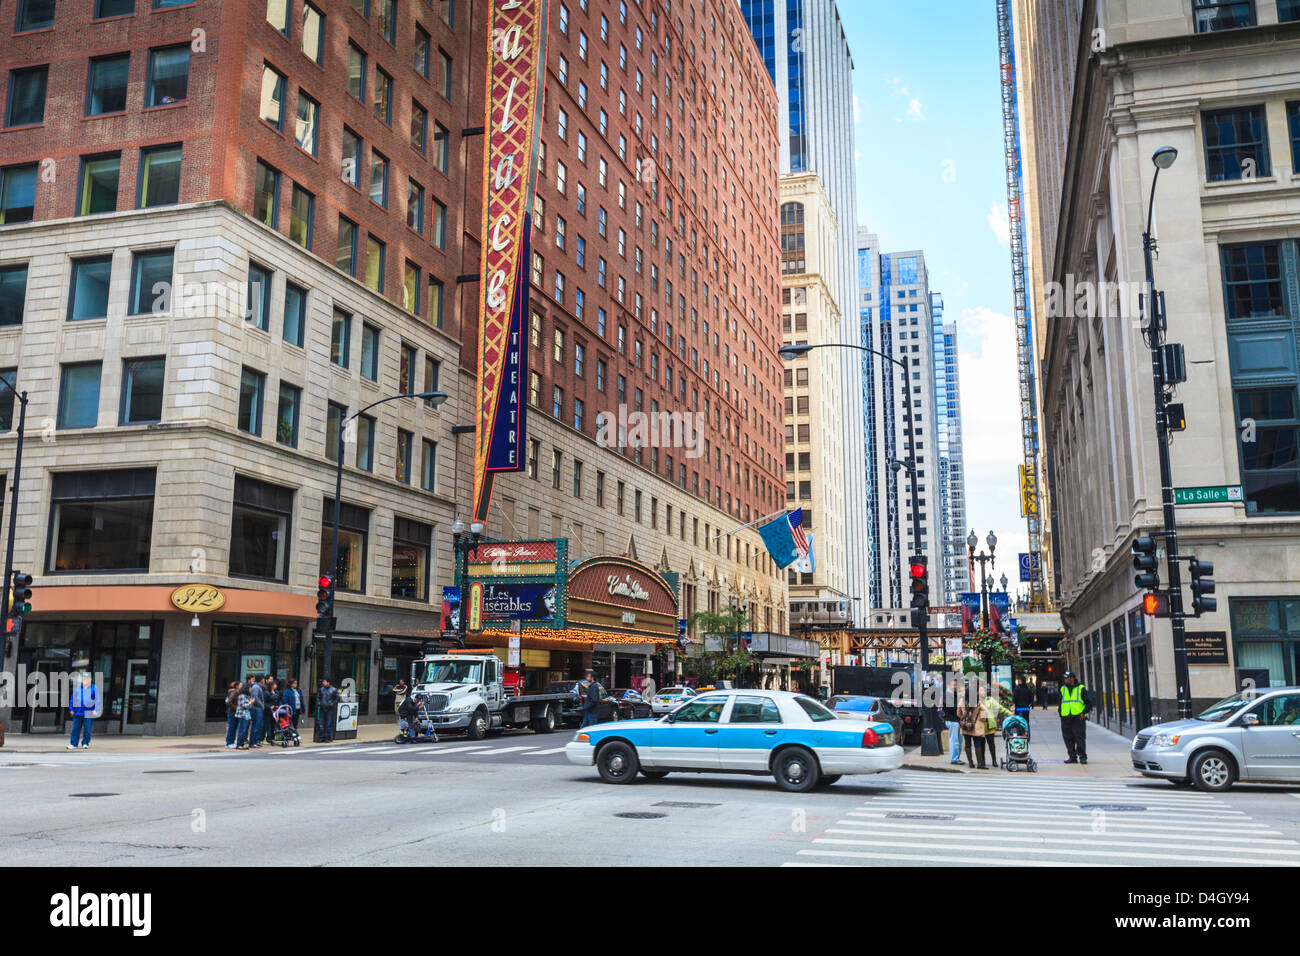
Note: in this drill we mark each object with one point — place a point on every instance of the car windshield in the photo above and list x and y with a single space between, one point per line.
815 710
452 671
1224 708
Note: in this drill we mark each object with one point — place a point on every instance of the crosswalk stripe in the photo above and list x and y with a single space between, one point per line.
1002 816
994 847
439 751
964 836
1077 803
553 750
1260 834
945 858
503 750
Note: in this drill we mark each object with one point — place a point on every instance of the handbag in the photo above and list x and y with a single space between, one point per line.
966 720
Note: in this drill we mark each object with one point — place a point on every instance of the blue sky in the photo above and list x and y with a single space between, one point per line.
930 176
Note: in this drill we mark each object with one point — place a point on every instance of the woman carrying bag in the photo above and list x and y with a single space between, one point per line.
972 717
994 713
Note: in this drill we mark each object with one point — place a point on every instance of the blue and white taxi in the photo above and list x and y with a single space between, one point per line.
668 698
788 735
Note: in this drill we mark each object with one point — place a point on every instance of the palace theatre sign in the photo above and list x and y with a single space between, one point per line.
621 597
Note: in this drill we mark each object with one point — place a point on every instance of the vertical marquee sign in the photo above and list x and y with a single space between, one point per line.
515 74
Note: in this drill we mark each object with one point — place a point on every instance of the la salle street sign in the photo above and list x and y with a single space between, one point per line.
1208 495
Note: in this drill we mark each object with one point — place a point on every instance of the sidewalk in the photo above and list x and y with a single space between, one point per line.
1108 752
134 744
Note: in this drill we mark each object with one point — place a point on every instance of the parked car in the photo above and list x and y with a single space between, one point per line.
631 705
571 712
1251 736
790 736
669 698
862 707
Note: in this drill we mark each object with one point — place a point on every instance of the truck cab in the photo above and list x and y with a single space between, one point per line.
467 692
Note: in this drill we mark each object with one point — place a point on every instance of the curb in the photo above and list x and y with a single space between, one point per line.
933 768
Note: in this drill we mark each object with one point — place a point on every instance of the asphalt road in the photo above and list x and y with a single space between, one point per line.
516 800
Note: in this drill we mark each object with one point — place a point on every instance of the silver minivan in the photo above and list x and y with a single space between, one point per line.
1251 736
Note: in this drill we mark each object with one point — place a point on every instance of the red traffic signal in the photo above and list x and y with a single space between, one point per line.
1155 604
918 570
325 582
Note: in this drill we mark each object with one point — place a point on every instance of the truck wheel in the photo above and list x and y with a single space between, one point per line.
545 724
796 770
617 762
478 725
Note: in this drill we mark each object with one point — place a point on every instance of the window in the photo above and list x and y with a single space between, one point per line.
266 194
341 338
113 8
252 386
313 32
345 255
365 443
422 45
534 448
1212 15
411 288
1266 636
419 127
1288 11
444 73
440 151
386 20
9 375
1235 144
169 76
17 194
258 310
88 296
369 352
288 411
99 177
334 417
405 443
439 235
160 176
1293 120
295 313
34 15
557 458
13 296
432 376
306 132
356 69
27 96
101 521
302 212
151 282
383 97
406 370
259 530
375 252
435 302
378 178
142 391
272 105
447 10
79 395
410 570
429 466
354 529
106 86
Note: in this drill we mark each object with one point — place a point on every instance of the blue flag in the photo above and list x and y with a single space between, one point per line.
778 537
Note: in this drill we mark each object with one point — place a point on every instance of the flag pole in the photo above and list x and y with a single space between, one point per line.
751 524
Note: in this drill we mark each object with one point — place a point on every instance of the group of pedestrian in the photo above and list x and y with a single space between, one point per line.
251 706
974 715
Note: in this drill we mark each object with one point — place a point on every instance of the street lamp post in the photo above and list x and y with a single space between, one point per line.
1163 158
972 542
435 399
465 542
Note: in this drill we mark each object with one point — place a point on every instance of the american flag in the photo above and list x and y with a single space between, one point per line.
796 530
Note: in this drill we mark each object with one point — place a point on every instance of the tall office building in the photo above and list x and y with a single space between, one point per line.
952 472
209 257
803 46
895 313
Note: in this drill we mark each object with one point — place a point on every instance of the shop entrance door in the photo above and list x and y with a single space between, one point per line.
137 696
1141 690
45 712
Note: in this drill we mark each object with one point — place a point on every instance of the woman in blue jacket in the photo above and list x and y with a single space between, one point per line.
84 704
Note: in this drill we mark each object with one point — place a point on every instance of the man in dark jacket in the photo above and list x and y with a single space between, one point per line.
591 701
257 711
1023 697
327 703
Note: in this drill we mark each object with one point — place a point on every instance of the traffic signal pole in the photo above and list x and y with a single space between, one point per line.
13 506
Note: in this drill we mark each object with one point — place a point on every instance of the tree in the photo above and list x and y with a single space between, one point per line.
731 663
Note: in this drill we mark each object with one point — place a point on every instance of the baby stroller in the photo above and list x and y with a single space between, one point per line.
282 731
417 725
1015 735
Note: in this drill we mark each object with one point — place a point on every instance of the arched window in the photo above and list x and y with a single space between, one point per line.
792 252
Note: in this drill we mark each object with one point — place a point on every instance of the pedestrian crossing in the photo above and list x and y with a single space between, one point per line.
504 748
933 818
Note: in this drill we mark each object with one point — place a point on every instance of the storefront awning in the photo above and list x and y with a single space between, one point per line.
548 637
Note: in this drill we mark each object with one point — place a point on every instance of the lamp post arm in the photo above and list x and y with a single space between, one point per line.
389 398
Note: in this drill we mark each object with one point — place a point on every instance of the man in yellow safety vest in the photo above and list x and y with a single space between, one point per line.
1075 704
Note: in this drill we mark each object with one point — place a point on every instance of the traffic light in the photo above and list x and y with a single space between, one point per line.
920 588
1146 563
1202 585
325 604
21 603
1155 604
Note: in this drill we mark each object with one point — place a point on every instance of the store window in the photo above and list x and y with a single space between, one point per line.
151 282
239 650
411 543
101 521
354 530
168 79
1266 638
79 395
259 530
349 668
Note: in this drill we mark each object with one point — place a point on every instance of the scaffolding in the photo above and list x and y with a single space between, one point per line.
1029 496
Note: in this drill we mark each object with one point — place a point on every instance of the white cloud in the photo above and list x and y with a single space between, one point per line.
999 223
914 108
990 417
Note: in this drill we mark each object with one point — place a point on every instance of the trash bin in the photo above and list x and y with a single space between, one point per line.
345 724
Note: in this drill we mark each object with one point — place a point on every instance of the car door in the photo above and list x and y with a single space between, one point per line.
690 739
751 730
1272 746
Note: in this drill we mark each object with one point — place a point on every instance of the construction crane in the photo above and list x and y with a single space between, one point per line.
1029 497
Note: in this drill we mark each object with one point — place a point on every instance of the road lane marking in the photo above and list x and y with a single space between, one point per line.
1068 852
1261 835
959 836
553 750
921 858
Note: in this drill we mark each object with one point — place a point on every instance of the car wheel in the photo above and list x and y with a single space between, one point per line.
830 780
654 774
478 725
796 770
1212 771
617 762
